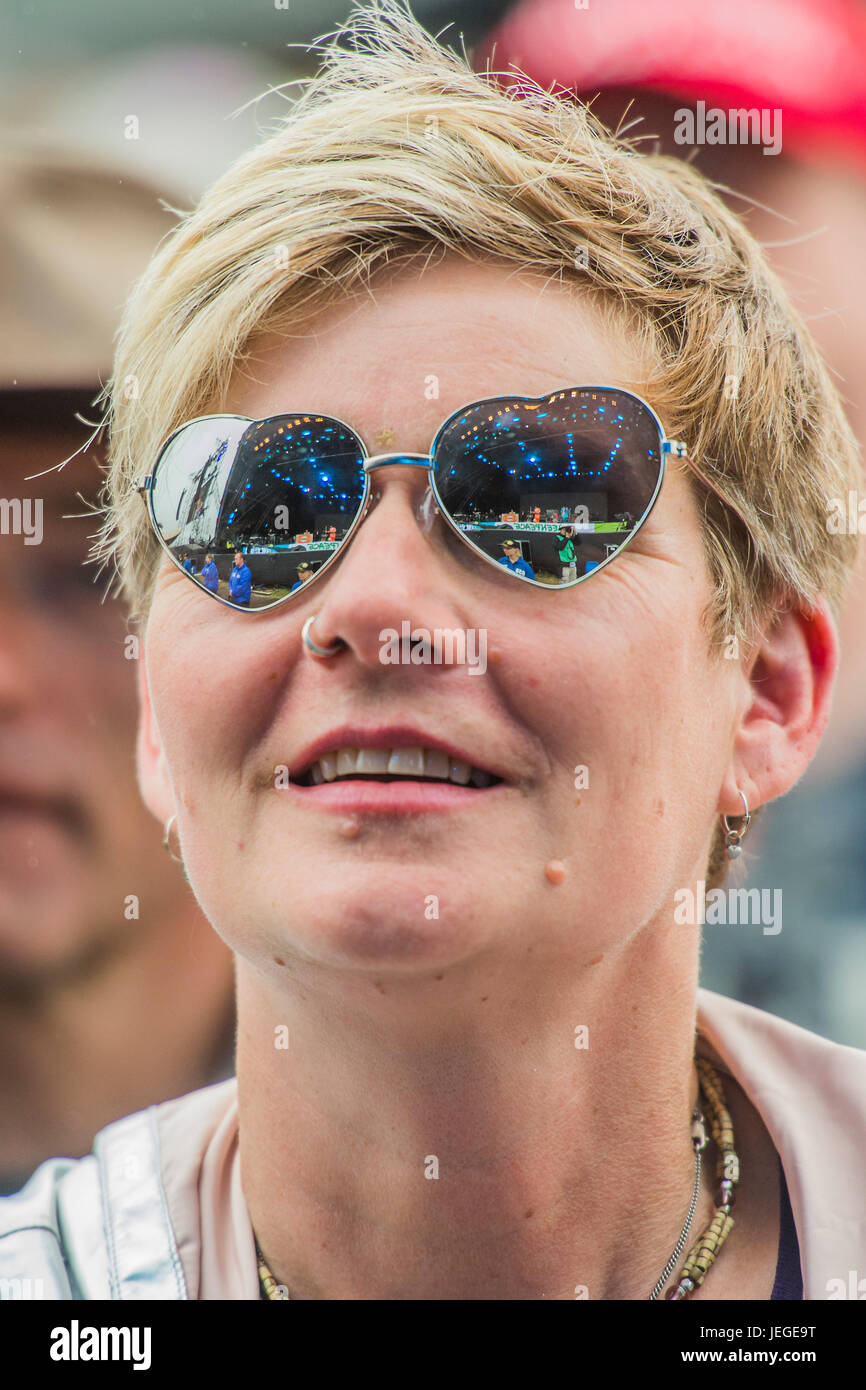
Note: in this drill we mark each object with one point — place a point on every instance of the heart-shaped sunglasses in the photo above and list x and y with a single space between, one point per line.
548 489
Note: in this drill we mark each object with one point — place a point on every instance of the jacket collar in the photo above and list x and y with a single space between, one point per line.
811 1095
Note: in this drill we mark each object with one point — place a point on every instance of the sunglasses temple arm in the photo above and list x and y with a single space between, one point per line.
677 449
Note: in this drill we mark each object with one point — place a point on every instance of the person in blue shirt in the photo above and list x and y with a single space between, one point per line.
514 561
209 575
187 564
305 572
240 580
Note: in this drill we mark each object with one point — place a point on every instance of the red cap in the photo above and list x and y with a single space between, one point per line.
805 57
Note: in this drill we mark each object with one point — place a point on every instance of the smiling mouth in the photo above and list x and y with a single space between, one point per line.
394 765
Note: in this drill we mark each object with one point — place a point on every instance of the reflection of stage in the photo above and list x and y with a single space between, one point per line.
583 528
291 546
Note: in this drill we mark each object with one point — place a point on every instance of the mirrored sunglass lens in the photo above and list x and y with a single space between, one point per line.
253 509
550 488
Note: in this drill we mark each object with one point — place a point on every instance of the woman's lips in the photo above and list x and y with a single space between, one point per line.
402 797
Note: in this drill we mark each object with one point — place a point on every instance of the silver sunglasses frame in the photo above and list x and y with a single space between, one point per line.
667 446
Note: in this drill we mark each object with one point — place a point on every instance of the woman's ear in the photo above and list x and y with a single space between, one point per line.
153 778
786 707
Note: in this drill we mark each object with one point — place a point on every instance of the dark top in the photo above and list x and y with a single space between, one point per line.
789 1278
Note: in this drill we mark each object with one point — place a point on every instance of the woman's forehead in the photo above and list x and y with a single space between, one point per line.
398 358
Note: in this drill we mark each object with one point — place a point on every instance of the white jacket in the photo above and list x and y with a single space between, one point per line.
157 1210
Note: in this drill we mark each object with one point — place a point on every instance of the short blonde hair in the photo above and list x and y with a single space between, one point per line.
396 149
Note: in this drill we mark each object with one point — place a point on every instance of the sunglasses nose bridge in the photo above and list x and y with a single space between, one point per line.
398 461
422 462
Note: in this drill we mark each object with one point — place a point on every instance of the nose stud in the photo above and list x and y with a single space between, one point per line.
313 647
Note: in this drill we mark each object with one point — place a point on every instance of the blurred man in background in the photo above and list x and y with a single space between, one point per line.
801 69
114 991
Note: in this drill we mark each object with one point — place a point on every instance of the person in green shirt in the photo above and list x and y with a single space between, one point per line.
567 553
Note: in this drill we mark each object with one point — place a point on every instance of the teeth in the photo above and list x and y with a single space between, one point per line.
406 762
372 760
347 761
436 763
429 763
328 764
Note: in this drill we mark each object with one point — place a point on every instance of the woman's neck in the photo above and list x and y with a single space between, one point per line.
516 1133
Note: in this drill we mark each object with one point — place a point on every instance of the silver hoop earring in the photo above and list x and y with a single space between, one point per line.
313 647
166 840
734 838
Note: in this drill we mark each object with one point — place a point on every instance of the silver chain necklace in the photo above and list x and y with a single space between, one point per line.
699 1139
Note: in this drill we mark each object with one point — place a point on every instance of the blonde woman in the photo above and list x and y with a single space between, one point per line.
473 1058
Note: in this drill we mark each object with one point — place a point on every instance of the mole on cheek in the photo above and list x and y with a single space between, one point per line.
554 872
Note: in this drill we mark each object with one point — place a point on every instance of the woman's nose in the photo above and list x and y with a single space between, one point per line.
389 572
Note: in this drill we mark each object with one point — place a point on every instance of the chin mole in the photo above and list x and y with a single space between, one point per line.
554 872
349 829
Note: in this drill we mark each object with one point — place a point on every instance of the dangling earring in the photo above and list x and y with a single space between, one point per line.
166 840
734 838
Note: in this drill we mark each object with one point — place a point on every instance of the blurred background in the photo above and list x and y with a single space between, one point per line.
110 118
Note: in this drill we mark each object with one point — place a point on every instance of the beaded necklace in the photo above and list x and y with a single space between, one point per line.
706 1249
